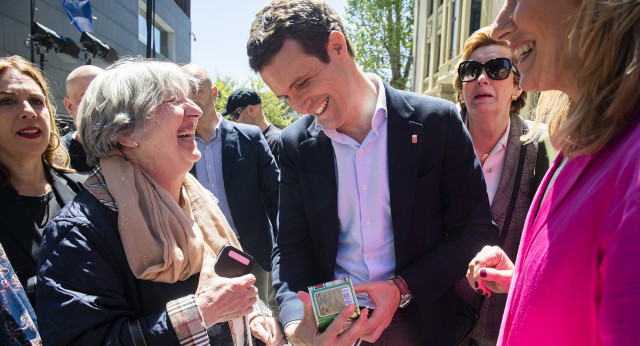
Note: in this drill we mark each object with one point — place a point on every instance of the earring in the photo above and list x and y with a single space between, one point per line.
514 97
135 144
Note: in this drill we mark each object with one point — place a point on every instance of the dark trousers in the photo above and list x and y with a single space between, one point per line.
400 332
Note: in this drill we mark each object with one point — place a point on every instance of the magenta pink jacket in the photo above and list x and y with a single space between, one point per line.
577 276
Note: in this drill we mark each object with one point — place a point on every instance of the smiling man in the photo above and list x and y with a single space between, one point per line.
377 184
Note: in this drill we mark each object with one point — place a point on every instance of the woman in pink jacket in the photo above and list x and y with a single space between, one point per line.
577 278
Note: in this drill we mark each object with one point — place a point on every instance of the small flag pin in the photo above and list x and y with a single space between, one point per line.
414 138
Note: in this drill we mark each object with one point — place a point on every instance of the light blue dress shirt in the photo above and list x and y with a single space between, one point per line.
209 172
366 246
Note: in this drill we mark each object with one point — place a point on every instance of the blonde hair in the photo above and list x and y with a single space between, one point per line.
55 155
482 38
606 39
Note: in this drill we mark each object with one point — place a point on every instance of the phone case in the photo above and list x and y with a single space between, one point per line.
232 262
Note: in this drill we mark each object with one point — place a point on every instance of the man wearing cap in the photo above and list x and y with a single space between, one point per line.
245 106
76 84
238 168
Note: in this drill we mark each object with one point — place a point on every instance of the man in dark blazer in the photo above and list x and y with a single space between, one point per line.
433 201
238 168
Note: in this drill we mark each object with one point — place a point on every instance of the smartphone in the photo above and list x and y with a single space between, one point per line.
233 262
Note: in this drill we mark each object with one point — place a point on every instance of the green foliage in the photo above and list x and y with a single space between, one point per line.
381 31
277 112
273 108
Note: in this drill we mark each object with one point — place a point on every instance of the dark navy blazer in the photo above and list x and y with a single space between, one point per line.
250 175
439 209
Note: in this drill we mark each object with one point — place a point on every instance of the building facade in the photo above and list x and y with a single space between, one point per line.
440 30
120 24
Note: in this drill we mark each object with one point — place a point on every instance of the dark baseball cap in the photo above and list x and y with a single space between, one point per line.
241 98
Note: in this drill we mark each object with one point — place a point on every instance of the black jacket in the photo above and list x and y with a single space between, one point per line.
439 209
86 292
19 234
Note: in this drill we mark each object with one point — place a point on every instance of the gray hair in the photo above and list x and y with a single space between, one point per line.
121 101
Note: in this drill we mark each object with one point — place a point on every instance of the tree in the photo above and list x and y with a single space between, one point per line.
277 112
381 31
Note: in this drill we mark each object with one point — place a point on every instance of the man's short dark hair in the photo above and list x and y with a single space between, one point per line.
309 22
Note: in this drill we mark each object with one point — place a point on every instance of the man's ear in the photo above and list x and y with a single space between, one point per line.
214 90
336 45
68 105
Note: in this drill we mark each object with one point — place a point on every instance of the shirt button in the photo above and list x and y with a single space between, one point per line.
207 147
368 224
490 170
213 185
209 166
360 152
365 187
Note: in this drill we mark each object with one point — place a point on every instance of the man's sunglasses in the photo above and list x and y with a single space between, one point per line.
236 114
497 69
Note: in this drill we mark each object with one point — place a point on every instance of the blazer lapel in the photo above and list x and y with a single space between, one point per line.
502 197
230 153
404 147
61 188
317 156
561 187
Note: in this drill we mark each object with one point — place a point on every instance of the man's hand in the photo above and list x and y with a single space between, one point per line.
385 295
306 332
490 271
223 299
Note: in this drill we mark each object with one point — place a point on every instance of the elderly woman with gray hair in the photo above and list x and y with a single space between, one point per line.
130 260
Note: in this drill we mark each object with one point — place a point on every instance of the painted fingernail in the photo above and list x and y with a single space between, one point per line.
476 284
480 291
483 273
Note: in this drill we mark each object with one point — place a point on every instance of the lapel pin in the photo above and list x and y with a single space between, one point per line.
414 139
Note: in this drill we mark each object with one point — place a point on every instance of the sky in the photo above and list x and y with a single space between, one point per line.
221 30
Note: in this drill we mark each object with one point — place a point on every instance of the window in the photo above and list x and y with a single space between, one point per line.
163 35
454 28
474 22
437 55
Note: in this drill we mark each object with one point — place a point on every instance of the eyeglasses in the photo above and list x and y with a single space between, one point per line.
236 114
497 69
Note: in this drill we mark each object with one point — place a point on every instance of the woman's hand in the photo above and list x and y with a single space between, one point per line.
223 299
490 271
259 330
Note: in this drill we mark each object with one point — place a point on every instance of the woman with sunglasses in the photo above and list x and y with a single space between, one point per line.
490 99
576 280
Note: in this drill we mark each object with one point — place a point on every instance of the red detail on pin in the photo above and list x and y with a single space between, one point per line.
414 138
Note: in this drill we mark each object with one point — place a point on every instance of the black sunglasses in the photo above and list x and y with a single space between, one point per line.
236 114
497 69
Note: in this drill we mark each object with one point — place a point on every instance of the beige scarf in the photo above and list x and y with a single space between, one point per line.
164 241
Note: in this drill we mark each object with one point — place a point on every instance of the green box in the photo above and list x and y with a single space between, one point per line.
329 298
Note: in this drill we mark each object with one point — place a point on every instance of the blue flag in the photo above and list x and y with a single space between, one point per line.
80 13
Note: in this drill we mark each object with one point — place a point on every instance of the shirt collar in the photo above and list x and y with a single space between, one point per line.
215 136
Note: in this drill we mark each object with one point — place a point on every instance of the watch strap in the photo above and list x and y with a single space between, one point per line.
402 285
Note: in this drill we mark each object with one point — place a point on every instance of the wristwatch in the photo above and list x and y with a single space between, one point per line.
405 294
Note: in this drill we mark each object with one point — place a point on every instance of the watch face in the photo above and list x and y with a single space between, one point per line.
405 300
